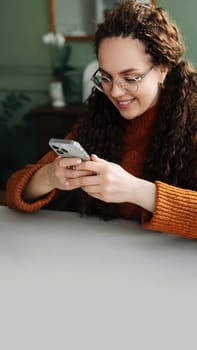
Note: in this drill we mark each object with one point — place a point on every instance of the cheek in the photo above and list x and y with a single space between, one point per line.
149 92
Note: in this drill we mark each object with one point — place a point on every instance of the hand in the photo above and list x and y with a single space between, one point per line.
111 183
62 170
56 174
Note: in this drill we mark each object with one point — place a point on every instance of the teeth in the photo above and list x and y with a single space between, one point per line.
123 103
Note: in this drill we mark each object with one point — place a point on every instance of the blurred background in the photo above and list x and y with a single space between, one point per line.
27 115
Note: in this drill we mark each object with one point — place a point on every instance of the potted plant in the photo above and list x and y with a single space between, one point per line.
59 52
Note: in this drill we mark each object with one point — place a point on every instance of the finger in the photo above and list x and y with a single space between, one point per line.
91 189
63 184
95 158
72 173
94 167
82 181
68 162
69 187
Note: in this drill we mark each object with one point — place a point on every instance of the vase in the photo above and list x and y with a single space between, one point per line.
57 94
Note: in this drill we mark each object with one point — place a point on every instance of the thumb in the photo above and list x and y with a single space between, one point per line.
95 158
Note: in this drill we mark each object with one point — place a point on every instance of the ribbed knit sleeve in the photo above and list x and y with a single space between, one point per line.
15 187
18 181
175 213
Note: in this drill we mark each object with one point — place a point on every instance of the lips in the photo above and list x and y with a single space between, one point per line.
124 103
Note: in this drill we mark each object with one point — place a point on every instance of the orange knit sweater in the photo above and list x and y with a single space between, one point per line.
176 209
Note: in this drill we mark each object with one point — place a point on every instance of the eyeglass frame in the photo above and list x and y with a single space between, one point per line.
137 79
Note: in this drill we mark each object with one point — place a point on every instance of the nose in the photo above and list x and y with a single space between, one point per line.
117 89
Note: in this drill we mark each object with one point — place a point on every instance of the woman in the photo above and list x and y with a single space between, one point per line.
140 129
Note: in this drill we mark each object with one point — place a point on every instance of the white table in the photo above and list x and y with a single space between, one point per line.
82 283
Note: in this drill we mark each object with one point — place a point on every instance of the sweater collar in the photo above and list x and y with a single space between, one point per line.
144 120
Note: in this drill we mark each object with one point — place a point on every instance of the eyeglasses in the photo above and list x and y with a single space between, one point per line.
104 82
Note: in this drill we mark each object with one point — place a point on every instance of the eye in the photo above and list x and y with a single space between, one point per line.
131 80
105 78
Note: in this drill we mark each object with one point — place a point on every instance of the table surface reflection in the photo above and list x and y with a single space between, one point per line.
68 282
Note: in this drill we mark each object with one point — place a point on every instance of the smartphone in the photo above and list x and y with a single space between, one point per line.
68 148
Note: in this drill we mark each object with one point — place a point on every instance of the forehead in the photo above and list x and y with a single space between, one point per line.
116 54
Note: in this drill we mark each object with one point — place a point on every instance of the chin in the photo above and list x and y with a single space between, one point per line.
129 116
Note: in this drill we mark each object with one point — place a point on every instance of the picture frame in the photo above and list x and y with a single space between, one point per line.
102 6
153 2
82 21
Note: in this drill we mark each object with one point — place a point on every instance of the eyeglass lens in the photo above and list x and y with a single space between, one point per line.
104 83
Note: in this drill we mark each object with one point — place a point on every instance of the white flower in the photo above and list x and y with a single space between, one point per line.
56 39
57 51
48 38
59 39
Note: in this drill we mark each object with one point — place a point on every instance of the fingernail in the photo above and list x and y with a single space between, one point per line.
78 161
66 183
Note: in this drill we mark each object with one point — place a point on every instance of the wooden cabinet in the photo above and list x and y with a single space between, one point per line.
53 122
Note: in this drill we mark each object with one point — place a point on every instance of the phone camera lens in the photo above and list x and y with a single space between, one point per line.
60 151
64 150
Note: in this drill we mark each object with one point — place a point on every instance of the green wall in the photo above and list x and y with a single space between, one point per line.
24 60
25 67
184 15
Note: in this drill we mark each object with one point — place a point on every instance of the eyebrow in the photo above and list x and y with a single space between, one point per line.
128 70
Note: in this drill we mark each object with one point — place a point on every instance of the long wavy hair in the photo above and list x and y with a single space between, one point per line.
172 153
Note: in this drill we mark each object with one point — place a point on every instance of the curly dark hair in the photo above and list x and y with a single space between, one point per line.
172 154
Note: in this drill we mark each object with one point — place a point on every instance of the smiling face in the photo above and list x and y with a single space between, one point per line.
121 59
